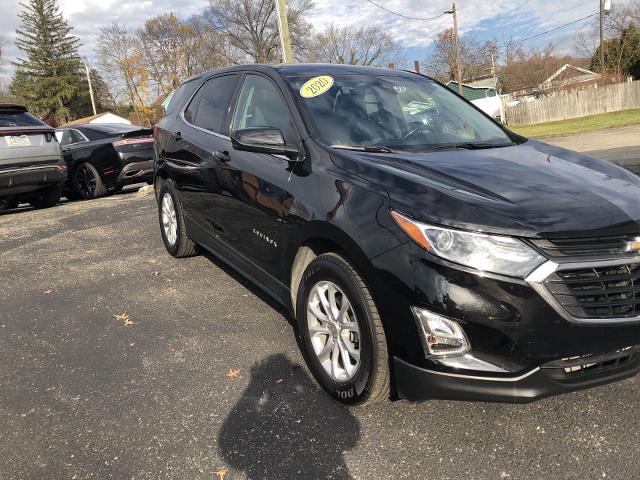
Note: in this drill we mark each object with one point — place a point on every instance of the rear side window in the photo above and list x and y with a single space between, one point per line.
210 107
180 97
65 137
19 119
190 112
76 136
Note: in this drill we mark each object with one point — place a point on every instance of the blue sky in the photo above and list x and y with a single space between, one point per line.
500 19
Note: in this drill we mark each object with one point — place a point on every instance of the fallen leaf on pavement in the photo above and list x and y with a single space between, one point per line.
47 292
233 373
125 319
131 344
172 290
221 473
280 380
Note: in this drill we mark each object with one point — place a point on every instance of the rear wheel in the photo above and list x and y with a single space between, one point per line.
47 197
341 332
87 182
8 204
172 224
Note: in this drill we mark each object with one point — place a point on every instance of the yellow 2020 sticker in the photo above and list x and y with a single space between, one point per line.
316 86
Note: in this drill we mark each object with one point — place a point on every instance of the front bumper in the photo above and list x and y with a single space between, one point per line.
416 384
509 325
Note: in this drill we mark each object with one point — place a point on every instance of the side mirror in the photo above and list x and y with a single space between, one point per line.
262 140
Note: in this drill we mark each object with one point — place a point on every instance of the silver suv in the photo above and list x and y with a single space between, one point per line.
31 165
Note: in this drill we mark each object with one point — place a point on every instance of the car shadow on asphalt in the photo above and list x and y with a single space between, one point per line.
283 427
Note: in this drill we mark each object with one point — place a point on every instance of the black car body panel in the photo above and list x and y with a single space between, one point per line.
256 211
121 154
527 190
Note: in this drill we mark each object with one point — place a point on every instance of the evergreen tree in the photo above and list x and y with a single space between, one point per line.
80 104
621 53
49 77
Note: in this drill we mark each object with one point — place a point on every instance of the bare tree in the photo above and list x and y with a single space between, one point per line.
369 45
252 26
527 69
176 49
478 58
120 57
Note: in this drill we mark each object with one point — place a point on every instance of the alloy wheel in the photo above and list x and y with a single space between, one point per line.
169 219
86 181
334 331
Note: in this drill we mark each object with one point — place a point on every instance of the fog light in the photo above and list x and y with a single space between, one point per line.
441 336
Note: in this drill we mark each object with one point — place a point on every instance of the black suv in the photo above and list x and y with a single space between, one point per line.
424 250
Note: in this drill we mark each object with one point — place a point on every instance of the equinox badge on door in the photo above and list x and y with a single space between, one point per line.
270 241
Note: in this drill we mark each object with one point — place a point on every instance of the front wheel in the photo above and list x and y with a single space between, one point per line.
172 224
8 204
341 332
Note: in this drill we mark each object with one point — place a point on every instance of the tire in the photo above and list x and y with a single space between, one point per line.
47 197
71 194
87 182
369 381
172 224
8 204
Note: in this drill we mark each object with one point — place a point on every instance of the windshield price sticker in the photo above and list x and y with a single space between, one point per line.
316 86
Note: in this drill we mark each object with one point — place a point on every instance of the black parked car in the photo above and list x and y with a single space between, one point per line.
425 251
102 158
31 166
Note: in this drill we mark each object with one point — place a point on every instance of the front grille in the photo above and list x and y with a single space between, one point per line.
601 247
600 292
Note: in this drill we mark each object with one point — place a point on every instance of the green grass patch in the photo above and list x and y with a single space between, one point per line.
577 125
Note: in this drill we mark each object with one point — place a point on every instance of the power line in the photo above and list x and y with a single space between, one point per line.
405 16
549 31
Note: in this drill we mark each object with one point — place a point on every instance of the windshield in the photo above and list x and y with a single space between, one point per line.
391 111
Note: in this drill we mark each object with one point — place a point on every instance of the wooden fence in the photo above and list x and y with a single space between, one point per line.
576 103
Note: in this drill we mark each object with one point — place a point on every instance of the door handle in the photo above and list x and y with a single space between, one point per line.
222 156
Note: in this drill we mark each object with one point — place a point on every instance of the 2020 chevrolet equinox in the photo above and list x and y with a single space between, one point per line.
424 250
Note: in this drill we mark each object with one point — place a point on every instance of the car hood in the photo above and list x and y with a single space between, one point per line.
530 190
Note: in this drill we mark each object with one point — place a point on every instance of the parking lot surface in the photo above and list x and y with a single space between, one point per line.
119 362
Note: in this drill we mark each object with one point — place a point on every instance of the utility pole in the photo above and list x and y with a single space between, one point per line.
93 101
602 37
283 26
454 12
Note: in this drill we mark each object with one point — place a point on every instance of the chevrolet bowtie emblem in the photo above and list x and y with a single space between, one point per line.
633 246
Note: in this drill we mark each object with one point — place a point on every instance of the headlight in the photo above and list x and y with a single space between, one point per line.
489 253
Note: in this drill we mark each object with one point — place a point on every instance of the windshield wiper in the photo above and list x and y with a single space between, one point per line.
471 146
365 148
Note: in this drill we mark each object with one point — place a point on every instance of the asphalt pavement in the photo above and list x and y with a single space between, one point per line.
118 361
617 145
